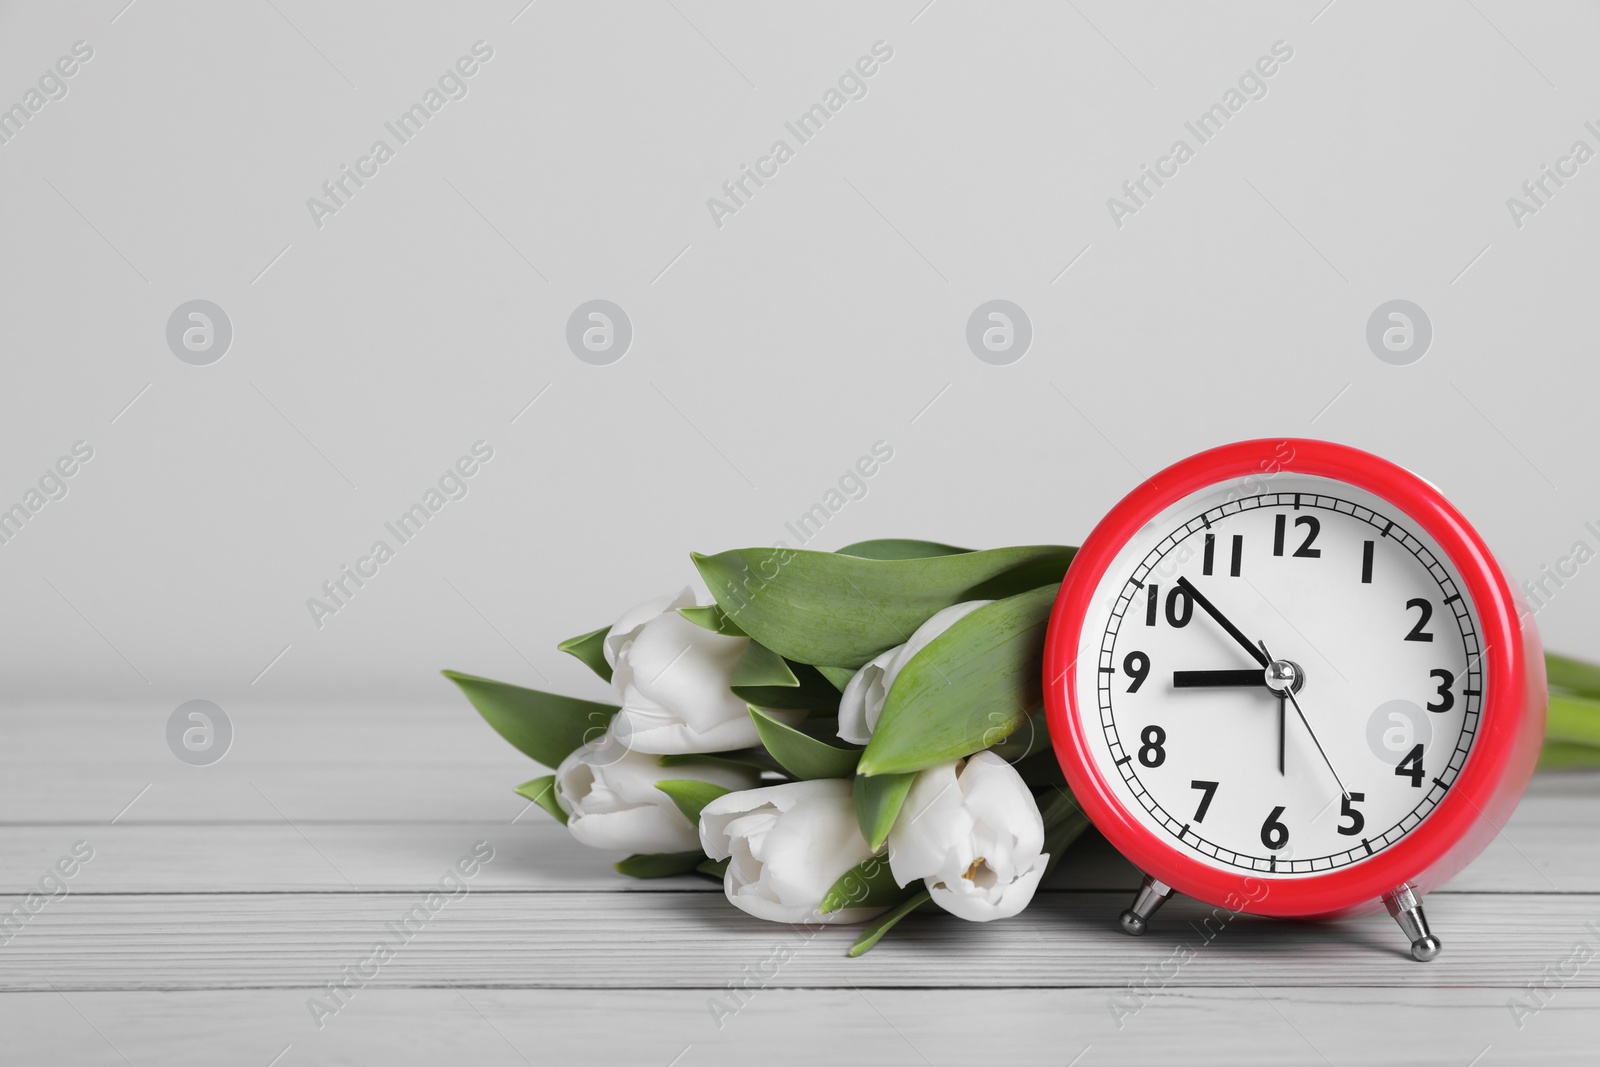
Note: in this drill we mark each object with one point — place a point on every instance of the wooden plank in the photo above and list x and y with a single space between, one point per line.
307 762
661 939
1540 851
515 1028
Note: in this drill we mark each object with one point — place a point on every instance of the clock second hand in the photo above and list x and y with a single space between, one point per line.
1288 691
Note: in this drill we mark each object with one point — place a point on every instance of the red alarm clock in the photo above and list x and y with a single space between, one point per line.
1286 677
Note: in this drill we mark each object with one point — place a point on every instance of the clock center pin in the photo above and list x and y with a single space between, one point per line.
1285 676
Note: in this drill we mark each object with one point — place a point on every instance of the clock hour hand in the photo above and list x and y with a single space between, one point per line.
1275 680
1283 733
1222 621
1250 676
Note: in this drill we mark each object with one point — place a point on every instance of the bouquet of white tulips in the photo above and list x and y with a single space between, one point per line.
839 737
843 737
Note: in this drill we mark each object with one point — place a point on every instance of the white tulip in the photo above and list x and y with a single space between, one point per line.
672 679
864 695
786 845
609 794
974 835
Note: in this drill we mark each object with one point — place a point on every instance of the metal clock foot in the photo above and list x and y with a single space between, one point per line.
1407 911
1152 894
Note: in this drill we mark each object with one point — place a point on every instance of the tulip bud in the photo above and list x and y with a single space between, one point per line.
973 833
609 794
786 845
672 678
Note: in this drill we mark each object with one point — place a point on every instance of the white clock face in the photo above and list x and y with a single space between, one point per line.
1386 669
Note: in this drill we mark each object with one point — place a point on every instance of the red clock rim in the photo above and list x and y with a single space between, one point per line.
1469 798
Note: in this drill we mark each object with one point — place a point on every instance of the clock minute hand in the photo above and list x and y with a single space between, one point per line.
1222 621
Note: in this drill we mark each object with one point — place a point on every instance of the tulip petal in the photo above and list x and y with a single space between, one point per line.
978 906
716 817
638 829
611 800
788 844
930 825
972 832
658 731
675 697
862 699
625 629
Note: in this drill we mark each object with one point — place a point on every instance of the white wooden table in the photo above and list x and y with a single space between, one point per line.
223 897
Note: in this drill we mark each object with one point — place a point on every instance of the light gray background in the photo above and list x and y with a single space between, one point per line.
769 354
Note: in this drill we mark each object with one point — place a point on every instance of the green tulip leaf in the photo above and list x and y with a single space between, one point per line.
713 618
837 610
767 680
898 548
869 884
839 676
1568 755
885 922
659 864
1573 720
542 725
969 689
717 869
691 795
1033 574
878 802
590 648
800 754
1573 675
542 791
760 666
814 694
